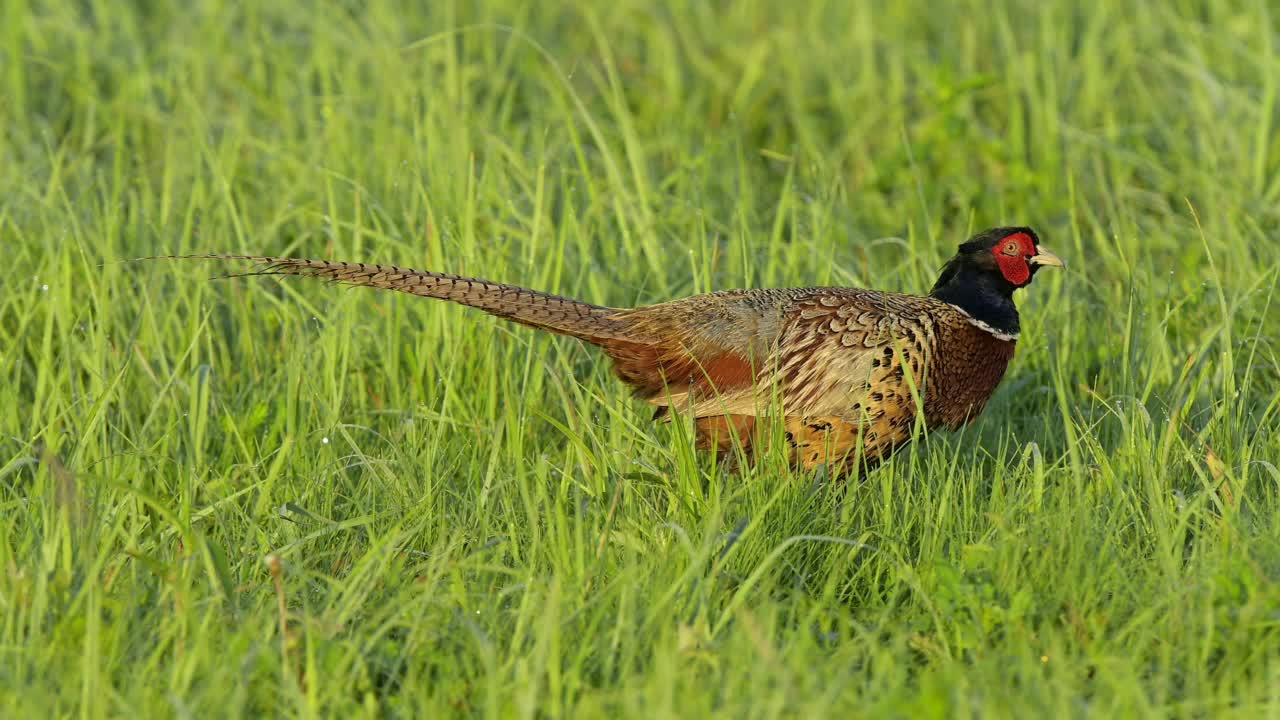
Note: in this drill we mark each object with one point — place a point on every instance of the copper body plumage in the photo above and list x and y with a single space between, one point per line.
849 370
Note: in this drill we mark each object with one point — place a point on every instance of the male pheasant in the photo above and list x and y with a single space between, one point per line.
848 369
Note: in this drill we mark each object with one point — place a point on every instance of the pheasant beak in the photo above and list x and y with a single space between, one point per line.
1044 257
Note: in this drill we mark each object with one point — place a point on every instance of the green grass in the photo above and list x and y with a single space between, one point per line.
465 517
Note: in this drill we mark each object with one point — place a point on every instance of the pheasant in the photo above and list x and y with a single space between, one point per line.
849 370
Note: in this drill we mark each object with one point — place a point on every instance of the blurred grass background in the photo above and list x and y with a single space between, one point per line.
247 497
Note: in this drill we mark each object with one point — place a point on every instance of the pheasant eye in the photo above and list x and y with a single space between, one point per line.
1012 248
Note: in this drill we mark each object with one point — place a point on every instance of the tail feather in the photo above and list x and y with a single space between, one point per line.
566 316
653 350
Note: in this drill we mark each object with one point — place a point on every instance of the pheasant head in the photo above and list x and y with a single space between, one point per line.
985 271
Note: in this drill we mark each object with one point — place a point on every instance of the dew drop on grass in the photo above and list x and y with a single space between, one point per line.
44 287
324 441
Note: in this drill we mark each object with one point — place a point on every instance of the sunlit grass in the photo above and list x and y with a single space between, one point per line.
240 497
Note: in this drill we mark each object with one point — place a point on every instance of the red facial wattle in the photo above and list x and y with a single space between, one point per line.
1011 256
1014 268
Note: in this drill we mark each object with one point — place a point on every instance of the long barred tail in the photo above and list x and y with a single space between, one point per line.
563 315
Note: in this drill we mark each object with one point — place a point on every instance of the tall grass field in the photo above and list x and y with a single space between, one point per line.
257 497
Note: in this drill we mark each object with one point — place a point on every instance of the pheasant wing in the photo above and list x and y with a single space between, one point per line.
821 351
